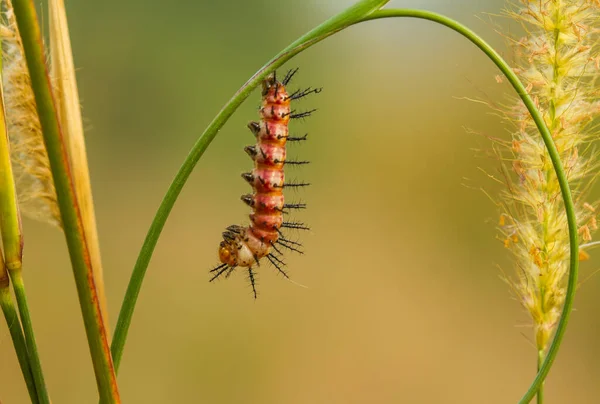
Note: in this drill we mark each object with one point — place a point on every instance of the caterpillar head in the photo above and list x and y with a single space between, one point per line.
228 249
226 255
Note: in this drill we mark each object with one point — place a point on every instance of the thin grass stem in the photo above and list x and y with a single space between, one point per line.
11 253
70 211
16 276
540 393
18 340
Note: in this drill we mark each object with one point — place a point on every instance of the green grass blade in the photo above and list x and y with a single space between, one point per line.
16 333
35 56
16 275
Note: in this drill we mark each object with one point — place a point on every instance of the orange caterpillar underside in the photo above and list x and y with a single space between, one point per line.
246 246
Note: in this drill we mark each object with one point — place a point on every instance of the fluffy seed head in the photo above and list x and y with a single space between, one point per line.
558 61
35 187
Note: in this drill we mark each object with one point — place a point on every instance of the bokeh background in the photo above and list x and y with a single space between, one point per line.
403 300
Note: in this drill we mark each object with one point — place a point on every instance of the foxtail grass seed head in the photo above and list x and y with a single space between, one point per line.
35 187
558 61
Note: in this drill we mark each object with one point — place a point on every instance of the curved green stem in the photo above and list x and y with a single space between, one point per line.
329 28
16 334
540 392
16 276
556 163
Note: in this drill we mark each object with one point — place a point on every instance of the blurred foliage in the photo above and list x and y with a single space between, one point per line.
404 300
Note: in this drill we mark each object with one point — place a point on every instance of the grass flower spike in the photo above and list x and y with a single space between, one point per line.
35 187
558 62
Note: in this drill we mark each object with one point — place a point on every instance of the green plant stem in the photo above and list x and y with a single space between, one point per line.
540 392
16 276
12 246
10 220
332 25
556 163
321 32
35 56
16 334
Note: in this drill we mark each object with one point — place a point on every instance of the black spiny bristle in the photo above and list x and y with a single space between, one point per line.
297 138
303 93
229 272
299 115
252 282
295 225
295 184
288 76
219 270
288 241
296 162
294 206
290 245
277 263
276 249
236 228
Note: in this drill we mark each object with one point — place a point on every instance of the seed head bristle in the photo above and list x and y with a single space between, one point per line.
558 61
35 187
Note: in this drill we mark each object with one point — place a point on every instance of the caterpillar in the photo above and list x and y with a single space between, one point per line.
245 246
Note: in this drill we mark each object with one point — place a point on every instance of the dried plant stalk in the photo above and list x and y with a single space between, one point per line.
35 187
67 96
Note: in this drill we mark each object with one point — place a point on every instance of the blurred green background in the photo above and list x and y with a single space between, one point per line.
403 299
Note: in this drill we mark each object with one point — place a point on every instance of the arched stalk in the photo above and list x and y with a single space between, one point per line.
361 12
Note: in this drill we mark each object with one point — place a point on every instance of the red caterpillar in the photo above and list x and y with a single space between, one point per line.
246 246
